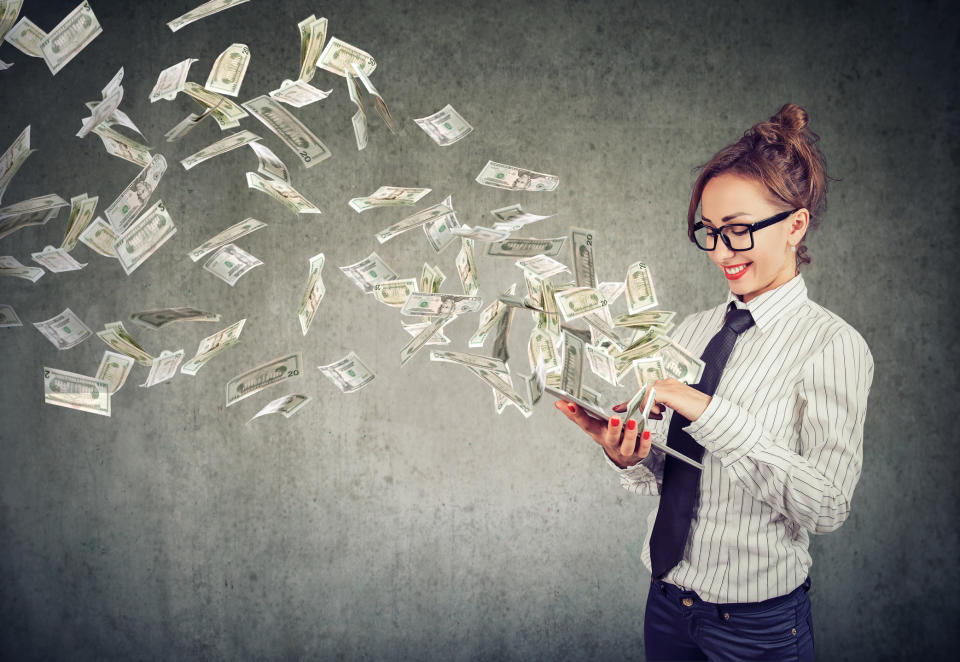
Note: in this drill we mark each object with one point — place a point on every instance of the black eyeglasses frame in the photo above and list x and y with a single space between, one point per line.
752 227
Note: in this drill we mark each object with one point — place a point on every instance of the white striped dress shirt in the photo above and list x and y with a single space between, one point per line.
783 436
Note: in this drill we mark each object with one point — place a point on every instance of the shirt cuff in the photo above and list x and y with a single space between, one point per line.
725 430
633 470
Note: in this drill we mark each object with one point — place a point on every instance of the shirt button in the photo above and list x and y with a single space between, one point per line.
794 630
688 602
726 616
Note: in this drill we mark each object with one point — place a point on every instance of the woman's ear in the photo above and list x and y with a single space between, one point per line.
799 225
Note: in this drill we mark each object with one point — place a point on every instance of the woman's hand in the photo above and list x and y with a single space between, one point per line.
681 398
618 441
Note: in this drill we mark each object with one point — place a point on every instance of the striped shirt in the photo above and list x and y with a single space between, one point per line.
783 435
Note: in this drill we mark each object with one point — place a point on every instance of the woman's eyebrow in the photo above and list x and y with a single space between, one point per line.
727 217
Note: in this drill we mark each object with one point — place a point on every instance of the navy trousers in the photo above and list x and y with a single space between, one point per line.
678 625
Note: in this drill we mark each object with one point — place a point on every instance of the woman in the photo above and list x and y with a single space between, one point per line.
776 419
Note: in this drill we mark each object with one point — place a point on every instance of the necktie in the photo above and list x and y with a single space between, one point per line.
681 481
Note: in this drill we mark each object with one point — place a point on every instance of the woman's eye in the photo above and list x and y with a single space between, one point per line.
739 232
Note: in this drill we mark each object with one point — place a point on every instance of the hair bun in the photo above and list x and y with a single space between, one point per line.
786 126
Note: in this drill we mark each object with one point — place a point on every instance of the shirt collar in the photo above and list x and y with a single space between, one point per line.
770 305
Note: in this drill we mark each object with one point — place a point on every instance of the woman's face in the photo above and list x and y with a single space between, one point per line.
771 262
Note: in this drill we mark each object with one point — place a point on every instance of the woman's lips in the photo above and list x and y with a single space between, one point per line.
738 274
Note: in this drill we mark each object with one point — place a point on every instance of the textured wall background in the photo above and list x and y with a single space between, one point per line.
409 521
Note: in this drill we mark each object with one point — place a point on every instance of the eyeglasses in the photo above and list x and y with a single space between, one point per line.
737 236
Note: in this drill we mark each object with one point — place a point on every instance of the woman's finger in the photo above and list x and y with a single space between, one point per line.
629 444
620 408
589 424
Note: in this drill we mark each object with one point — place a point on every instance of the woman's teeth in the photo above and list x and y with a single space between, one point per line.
736 272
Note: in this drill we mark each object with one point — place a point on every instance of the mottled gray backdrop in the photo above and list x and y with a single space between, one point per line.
408 520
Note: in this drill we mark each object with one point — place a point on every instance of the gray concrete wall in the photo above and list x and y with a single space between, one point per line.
409 521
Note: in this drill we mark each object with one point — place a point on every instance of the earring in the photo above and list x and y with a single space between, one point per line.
793 248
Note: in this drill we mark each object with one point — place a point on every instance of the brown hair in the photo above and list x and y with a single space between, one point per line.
780 154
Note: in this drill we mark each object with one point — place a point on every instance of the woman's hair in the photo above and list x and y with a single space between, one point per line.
780 154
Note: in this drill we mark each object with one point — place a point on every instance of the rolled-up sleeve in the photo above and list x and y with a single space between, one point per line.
645 477
814 487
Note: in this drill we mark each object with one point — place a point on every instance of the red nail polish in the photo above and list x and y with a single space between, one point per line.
646 434
631 424
615 421
572 408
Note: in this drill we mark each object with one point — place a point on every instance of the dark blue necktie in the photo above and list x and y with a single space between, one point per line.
681 481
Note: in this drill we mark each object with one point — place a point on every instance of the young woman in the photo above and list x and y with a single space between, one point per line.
776 420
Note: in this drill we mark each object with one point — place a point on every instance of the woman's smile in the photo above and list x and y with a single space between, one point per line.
736 271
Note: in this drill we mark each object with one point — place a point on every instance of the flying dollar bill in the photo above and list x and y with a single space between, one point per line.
230 262
159 318
525 247
14 157
299 93
382 109
119 339
24 35
114 369
80 392
368 272
289 129
228 70
123 147
122 211
288 405
416 220
313 35
65 330
222 146
204 10
164 367
439 231
424 304
171 80
264 376
270 164
213 345
349 374
445 127
57 260
225 237
69 37
35 211
424 337
510 177
100 238
395 292
388 196
466 264
283 193
338 56
640 292
313 293
8 316
144 236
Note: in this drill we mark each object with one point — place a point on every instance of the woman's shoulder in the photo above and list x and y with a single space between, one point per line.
832 329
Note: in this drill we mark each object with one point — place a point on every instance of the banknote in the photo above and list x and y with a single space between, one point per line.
479 233
424 337
644 393
445 127
395 292
14 157
270 164
428 304
82 209
313 35
9 10
525 247
160 317
513 178
382 109
649 370
122 146
228 70
368 272
204 10
69 37
571 375
114 369
57 260
601 328
144 237
542 348
25 36
640 292
213 345
389 196
283 193
119 339
264 376
8 316
612 290
438 231
100 114
222 146
80 392
542 266
488 319
578 301
601 364
414 330
501 334
312 293
10 267
424 216
164 367
646 318
35 211
170 81
226 113
349 374
338 55
289 129
584 263
299 93
359 119
100 237
474 360
680 364
122 211
225 237
187 124
230 262
513 216
466 264
431 278
288 405
501 386
65 330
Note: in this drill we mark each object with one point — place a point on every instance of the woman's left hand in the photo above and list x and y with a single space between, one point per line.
681 398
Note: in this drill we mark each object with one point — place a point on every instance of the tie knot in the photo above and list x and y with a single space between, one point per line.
738 320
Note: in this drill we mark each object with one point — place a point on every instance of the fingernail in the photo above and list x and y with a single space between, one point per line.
646 434
557 404
615 421
572 408
631 424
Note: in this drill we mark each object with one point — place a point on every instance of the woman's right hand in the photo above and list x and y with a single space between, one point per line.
619 441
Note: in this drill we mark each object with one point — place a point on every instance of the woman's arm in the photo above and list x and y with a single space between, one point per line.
814 487
645 477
